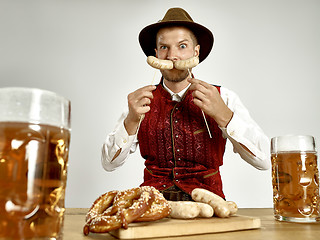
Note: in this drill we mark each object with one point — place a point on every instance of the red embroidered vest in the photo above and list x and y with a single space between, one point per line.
174 141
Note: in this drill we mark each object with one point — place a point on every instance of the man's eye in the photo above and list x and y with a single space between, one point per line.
183 46
163 47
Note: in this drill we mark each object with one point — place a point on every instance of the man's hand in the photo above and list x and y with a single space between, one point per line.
138 103
208 99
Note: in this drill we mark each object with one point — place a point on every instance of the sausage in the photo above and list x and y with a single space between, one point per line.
206 210
186 64
184 209
168 64
233 207
219 205
159 63
188 209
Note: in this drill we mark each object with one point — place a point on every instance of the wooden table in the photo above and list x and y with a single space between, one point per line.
270 228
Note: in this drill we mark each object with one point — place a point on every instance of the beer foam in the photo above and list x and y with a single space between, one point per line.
293 143
34 106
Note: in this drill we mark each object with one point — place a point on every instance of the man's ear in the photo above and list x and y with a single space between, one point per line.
155 50
197 51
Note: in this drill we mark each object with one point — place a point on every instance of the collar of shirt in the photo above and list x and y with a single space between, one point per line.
176 96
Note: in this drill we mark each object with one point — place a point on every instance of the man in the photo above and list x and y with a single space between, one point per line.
186 121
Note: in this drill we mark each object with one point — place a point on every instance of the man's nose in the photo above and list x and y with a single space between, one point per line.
172 55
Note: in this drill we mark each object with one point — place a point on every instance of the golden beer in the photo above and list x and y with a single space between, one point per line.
34 146
295 180
33 174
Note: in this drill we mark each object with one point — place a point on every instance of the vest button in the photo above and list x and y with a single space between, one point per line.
164 185
177 136
178 150
176 121
179 159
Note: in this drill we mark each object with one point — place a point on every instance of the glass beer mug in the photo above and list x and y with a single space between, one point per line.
295 179
34 146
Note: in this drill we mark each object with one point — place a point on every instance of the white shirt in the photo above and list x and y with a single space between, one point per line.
176 96
242 130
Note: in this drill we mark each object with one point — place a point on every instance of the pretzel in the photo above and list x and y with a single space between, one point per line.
159 209
127 206
116 209
100 205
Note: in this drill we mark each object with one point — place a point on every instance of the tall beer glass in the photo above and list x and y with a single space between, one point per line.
34 145
295 179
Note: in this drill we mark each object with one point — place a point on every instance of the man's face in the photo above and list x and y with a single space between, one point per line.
176 43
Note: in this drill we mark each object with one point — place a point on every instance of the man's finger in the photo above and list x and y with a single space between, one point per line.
197 81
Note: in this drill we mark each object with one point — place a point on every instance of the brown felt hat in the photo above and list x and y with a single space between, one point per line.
176 17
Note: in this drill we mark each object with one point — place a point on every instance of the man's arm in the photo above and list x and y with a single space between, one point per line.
123 140
117 146
234 120
246 136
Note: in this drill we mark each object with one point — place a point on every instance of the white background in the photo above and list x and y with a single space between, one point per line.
87 50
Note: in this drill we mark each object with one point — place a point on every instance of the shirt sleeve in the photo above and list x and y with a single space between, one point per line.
243 132
117 146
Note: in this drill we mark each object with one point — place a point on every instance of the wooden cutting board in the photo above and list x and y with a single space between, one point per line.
168 227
